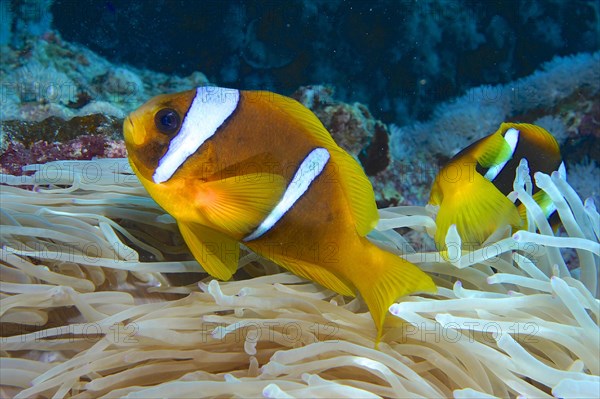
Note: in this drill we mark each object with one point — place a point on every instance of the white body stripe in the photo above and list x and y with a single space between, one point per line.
512 138
209 109
309 170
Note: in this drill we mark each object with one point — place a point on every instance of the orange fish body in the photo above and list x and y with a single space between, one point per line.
260 169
471 190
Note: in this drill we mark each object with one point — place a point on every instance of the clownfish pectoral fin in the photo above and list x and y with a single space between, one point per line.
477 209
236 205
359 190
496 150
217 253
317 273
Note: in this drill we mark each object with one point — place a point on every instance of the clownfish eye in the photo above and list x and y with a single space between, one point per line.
167 121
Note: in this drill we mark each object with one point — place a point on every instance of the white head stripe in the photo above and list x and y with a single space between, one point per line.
512 138
309 170
209 109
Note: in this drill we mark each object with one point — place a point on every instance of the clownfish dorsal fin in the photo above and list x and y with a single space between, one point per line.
217 253
543 139
477 209
319 274
236 205
357 186
308 119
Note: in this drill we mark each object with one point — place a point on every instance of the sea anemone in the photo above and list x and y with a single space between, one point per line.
100 298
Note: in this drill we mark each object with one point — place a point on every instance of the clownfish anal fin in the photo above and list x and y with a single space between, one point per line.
217 253
317 273
477 209
236 205
361 197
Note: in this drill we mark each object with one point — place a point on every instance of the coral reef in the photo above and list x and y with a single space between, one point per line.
51 77
398 57
54 129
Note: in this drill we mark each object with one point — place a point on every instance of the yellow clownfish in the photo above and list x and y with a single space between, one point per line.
471 190
260 169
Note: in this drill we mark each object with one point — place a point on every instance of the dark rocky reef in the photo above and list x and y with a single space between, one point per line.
351 125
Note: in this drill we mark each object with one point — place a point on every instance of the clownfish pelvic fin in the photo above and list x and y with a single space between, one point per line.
217 253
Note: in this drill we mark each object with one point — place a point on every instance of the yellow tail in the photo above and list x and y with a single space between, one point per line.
384 277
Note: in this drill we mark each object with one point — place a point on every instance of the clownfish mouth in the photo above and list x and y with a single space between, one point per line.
129 132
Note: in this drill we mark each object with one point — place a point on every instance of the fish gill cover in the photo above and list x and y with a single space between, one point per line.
101 298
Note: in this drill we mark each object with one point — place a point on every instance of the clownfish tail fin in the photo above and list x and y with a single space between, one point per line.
385 277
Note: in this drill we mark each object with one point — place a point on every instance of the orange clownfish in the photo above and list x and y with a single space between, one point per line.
471 190
260 169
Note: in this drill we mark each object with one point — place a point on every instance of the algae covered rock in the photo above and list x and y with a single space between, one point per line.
79 138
